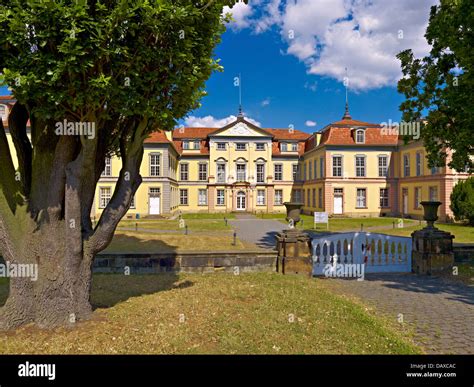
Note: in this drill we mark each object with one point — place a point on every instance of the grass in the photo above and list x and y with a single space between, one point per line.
342 224
259 313
462 233
194 224
208 216
141 242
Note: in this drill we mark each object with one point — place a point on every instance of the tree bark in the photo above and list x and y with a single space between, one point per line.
61 293
51 229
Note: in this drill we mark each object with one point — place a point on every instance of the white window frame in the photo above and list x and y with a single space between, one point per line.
260 146
260 197
278 175
105 194
417 197
239 171
220 197
202 174
406 165
361 170
360 132
219 177
339 167
419 164
221 146
383 168
278 197
155 168
361 201
296 172
260 174
202 197
238 146
107 172
185 172
384 199
183 197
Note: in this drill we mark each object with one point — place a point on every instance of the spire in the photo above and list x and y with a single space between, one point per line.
347 115
241 114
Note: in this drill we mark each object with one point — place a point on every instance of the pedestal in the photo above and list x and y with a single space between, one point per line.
432 251
294 253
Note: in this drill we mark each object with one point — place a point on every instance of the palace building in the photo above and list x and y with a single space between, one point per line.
349 168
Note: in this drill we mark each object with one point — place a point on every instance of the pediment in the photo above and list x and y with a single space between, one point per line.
240 128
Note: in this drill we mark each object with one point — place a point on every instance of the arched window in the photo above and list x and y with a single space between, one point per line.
360 136
241 169
260 170
221 169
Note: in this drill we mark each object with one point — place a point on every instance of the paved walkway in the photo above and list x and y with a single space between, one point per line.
440 311
258 231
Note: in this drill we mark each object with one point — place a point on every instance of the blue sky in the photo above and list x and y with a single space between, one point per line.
293 56
277 91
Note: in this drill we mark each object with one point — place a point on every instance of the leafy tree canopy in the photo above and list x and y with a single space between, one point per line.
442 83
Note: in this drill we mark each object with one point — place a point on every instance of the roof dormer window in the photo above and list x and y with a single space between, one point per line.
3 112
360 136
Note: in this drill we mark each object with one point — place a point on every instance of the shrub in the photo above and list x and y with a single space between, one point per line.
462 201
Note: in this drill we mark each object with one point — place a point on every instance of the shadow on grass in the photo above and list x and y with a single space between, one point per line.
111 289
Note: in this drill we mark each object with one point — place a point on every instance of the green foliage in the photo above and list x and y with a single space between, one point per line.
439 87
141 58
462 200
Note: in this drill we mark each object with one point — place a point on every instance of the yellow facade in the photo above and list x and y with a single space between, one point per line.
243 168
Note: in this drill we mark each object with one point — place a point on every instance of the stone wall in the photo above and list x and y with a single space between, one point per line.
187 262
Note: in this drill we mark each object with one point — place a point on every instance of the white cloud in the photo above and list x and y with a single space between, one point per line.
310 123
241 13
265 102
212 122
362 35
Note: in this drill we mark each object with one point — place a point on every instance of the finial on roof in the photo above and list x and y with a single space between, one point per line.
241 114
347 115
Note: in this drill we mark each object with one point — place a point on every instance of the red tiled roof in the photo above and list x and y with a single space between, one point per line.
187 132
203 132
347 123
157 137
277 152
287 134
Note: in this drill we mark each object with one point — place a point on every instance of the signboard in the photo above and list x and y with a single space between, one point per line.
321 217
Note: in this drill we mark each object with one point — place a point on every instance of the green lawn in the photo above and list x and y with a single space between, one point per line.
208 216
463 234
194 224
260 313
342 224
141 242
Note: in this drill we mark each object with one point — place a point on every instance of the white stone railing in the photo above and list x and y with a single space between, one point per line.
379 252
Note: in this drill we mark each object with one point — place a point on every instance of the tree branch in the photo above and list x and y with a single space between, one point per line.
127 184
17 121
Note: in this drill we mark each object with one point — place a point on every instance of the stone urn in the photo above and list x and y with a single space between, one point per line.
293 212
294 246
430 212
432 248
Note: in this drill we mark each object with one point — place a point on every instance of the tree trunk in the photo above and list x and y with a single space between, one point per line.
61 293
